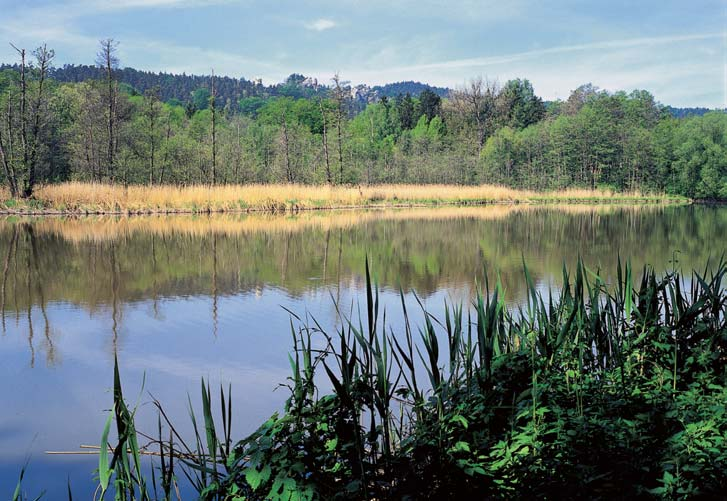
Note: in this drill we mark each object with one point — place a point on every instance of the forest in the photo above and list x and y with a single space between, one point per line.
88 123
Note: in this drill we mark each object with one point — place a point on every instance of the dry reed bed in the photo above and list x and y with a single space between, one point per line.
98 229
78 197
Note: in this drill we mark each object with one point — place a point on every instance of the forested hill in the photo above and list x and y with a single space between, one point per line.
194 88
408 87
687 112
185 88
171 86
671 110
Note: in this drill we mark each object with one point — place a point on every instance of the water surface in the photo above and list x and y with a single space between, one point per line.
179 298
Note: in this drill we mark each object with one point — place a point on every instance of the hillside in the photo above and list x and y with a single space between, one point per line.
191 88
185 88
181 87
408 87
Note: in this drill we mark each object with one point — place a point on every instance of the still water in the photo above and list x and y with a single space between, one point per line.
180 298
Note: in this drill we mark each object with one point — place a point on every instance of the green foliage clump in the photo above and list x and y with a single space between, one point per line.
596 390
625 141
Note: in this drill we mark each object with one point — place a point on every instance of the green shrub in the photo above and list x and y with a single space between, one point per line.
596 392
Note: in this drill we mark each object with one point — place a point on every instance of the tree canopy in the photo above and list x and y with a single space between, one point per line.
159 128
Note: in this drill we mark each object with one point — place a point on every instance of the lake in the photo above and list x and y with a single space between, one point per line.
178 298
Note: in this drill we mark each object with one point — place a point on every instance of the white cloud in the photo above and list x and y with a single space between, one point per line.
674 68
109 5
538 53
321 24
196 60
681 69
58 27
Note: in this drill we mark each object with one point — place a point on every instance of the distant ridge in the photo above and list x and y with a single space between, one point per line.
687 112
408 87
181 87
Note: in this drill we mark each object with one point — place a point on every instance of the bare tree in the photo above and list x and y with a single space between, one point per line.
167 137
44 57
329 177
237 153
87 142
339 96
213 106
285 140
107 59
476 103
6 140
152 112
21 168
23 109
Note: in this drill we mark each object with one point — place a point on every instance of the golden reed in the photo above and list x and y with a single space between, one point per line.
107 198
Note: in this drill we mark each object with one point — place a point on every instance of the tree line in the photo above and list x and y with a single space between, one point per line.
100 129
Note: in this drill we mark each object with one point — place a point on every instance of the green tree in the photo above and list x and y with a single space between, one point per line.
152 118
201 98
430 104
250 105
520 106
406 111
701 156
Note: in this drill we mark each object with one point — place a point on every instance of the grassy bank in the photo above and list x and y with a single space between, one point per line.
602 391
84 198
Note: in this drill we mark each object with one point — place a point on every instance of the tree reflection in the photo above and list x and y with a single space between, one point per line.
107 263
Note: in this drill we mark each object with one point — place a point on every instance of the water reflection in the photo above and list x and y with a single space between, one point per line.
183 297
100 262
26 277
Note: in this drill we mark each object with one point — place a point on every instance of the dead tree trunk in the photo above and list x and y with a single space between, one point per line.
213 104
6 153
107 59
21 168
286 148
329 178
44 57
338 93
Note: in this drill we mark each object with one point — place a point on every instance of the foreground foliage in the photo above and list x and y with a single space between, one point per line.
594 390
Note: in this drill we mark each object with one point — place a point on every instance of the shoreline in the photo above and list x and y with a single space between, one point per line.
86 199
297 209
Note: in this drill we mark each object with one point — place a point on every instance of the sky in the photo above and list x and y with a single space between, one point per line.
675 49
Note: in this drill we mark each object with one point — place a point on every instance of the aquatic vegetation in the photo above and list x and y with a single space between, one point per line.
593 390
80 197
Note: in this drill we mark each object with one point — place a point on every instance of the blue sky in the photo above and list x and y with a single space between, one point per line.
675 49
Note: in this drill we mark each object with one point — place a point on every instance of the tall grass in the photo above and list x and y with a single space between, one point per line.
96 197
591 390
